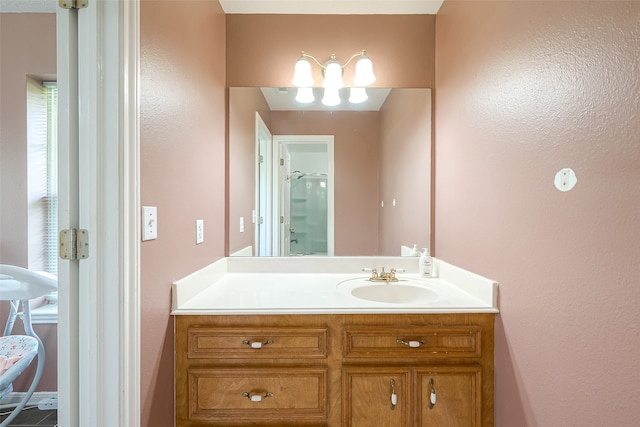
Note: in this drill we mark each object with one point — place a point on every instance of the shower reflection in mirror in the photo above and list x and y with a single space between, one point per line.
308 213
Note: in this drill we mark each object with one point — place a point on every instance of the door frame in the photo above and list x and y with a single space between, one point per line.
99 319
263 211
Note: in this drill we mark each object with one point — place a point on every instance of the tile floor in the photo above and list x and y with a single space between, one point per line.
32 417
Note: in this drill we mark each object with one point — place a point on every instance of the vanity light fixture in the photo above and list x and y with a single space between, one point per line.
332 72
305 95
357 95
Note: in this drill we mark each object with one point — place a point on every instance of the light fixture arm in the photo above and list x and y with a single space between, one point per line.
303 54
355 55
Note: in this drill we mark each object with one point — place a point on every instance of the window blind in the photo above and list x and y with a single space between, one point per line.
51 198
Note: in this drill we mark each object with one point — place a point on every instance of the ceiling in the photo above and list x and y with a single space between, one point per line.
332 7
283 99
327 7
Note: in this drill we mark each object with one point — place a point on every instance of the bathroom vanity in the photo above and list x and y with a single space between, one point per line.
286 342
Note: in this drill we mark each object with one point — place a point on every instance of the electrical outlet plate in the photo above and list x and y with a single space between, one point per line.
199 231
48 404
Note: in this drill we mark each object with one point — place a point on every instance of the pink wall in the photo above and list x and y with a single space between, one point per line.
27 47
262 49
405 170
356 153
524 89
182 102
243 104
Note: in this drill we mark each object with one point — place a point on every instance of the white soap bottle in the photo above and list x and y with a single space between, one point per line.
414 251
425 264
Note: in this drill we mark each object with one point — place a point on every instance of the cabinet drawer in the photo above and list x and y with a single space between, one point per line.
257 343
409 341
274 394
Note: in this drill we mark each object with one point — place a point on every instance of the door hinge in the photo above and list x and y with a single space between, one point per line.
74 244
260 158
73 4
281 219
281 162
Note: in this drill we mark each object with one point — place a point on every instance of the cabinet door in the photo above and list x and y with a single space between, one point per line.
448 396
368 393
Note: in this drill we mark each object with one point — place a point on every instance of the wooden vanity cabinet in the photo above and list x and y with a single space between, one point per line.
335 370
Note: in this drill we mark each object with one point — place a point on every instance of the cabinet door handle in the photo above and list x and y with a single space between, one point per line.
432 397
256 397
394 396
257 344
411 343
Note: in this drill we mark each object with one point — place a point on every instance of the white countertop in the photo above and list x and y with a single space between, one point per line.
316 285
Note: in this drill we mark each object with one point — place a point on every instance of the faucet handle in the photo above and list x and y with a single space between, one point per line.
373 271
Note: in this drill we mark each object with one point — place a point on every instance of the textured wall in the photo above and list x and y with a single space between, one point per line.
405 170
182 144
244 102
27 47
262 49
524 89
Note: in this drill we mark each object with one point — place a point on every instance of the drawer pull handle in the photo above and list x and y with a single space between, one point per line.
256 397
432 398
394 396
412 343
257 344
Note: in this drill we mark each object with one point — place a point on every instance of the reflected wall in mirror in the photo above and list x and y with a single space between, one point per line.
381 169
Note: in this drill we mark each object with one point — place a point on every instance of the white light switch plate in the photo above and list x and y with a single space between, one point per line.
149 223
199 231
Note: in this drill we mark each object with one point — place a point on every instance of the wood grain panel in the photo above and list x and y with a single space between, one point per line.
277 342
220 394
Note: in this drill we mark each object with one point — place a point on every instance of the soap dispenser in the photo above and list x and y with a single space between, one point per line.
414 251
425 264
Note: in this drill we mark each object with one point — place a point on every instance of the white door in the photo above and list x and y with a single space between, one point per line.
284 201
98 332
263 185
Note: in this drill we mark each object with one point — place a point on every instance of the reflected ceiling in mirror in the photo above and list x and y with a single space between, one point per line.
284 99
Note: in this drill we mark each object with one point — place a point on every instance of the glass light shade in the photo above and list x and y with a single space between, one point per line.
364 72
333 76
331 97
302 75
357 95
305 95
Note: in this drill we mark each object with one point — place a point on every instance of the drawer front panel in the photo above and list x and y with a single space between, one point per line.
257 343
260 394
406 342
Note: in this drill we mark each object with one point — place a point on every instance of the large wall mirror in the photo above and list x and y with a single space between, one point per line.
350 180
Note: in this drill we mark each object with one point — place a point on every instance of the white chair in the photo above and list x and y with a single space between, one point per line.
18 285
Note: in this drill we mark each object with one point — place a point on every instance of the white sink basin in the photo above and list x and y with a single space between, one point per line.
402 292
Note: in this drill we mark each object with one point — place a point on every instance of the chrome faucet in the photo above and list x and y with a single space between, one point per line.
383 276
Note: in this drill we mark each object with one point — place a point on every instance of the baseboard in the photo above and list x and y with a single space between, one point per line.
12 399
